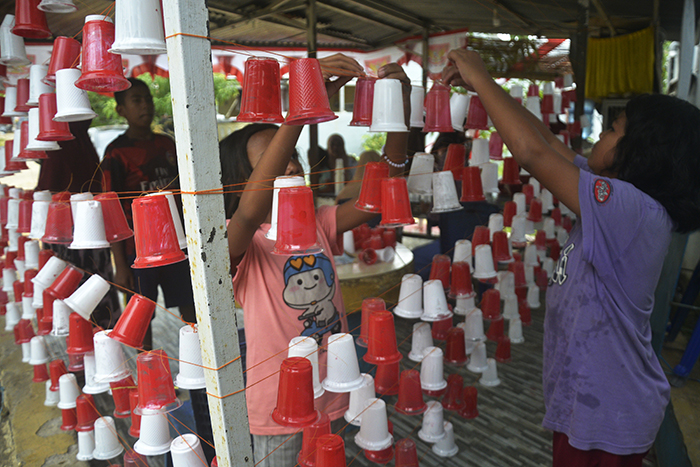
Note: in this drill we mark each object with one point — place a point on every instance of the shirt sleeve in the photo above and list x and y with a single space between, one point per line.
326 220
582 163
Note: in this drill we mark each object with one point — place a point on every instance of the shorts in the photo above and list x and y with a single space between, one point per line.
565 455
174 279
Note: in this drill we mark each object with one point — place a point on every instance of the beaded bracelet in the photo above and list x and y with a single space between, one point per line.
397 165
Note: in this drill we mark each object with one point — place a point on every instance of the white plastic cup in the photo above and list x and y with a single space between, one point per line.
91 386
191 375
480 152
533 105
516 92
11 99
20 267
68 391
343 373
533 296
38 299
483 262
307 347
489 177
75 200
530 274
421 339
495 224
37 87
107 444
433 427
86 445
52 397
474 326
468 343
17 139
445 197
26 352
434 302
464 305
138 28
31 254
515 331
548 266
387 110
517 231
12 213
420 177
431 370
9 276
549 228
463 252
186 451
358 398
478 363
410 305
562 235
348 239
57 6
510 308
109 358
34 144
506 285
72 103
490 376
154 438
86 298
28 311
53 267
386 254
285 182
446 447
40 355
547 200
417 106
89 230
175 214
530 255
13 52
61 313
520 205
374 430
536 187
12 316
459 103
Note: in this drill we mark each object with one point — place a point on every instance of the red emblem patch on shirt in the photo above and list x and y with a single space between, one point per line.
601 191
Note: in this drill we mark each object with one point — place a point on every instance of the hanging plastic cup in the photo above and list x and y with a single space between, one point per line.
296 223
477 119
59 221
191 375
343 373
68 419
370 198
306 347
50 130
89 231
511 172
33 144
461 285
495 147
437 110
52 397
358 397
455 350
472 189
444 193
477 362
154 435
107 444
23 96
177 222
483 261
139 28
459 103
434 302
280 182
420 176
186 450
72 103
308 100
65 54
66 283
79 336
387 107
362 105
154 233
135 430
120 393
417 109
101 71
453 397
110 359
37 86
30 22
295 396
11 103
446 446
455 160
49 272
12 46
382 347
69 391
115 223
396 207
40 210
260 98
91 386
40 354
24 223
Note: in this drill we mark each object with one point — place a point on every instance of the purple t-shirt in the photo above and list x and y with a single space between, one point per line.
603 385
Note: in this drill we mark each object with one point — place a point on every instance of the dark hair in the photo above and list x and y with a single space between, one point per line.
660 155
235 165
120 96
445 139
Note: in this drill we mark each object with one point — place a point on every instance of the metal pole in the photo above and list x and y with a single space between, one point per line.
192 91
426 57
580 49
311 48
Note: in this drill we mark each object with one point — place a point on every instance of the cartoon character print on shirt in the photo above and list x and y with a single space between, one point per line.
309 285
559 275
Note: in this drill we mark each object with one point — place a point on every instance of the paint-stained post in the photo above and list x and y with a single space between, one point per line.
192 91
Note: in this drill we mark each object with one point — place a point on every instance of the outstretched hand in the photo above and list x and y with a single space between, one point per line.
342 66
466 66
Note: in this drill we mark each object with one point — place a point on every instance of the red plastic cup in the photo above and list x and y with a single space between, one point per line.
3 203
79 335
369 305
59 221
524 312
381 343
440 328
120 393
496 147
461 285
454 399
509 210
156 389
385 455
295 396
41 374
154 233
21 240
48 300
18 289
470 396
386 379
396 207
511 172
547 105
307 455
25 217
529 191
472 189
533 91
101 71
116 226
30 22
556 216
49 130
499 246
481 236
455 160
10 258
376 242
135 429
541 240
4 120
14 165
389 237
330 451
370 198
56 369
363 103
477 119
495 331
567 224
24 153
518 270
535 212
455 351
437 110
406 454
24 332
66 283
554 250
133 324
541 279
69 419
261 96
22 96
368 256
410 401
308 100
521 292
44 256
65 54
296 223
86 413
440 270
4 298
44 328
503 350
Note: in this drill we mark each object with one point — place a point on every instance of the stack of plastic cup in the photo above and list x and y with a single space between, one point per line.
330 450
453 399
477 363
437 110
410 303
461 285
396 206
72 103
34 144
191 375
101 71
431 376
152 214
421 339
91 386
120 394
11 45
434 302
446 447
477 119
387 106
132 325
296 223
417 109
156 390
343 369
110 359
135 429
281 182
59 221
139 28
154 438
458 110
305 347
432 429
420 177
295 396
308 100
472 187
444 193
370 198
495 147
358 398
107 444
480 153
374 430
307 455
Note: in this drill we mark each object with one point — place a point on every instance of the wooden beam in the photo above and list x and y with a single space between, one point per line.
393 12
278 6
523 19
343 11
598 4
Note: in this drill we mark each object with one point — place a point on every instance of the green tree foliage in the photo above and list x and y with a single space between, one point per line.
373 142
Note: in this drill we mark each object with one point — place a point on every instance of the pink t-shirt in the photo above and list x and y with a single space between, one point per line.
285 297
